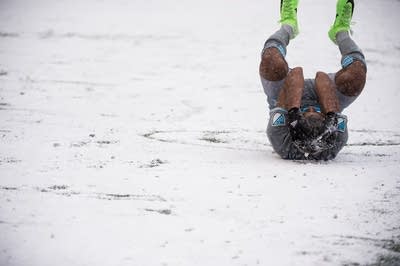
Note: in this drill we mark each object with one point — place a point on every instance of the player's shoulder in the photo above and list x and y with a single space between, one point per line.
278 110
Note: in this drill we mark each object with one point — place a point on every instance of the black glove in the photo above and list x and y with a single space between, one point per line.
330 124
294 116
331 121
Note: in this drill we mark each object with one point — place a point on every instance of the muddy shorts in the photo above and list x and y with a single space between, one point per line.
272 89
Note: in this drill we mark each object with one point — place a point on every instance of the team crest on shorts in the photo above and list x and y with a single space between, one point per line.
278 119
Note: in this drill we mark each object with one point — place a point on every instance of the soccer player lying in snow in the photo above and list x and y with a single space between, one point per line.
305 115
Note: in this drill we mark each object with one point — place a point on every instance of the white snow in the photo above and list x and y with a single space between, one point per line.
132 133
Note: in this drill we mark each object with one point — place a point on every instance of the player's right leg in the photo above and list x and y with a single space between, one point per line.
273 66
350 80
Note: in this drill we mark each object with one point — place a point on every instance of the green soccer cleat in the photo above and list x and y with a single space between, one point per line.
289 15
344 13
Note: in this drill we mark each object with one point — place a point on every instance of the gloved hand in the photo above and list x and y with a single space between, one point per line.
294 116
331 121
330 124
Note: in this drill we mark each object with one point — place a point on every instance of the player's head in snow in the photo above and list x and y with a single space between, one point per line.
311 131
306 120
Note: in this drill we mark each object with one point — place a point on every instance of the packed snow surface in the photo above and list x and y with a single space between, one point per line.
132 132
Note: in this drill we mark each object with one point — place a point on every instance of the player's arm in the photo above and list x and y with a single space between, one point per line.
326 92
290 98
292 90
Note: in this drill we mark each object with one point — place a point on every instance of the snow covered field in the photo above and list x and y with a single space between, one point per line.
132 133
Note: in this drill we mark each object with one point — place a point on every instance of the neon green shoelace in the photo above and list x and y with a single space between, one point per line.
287 10
346 16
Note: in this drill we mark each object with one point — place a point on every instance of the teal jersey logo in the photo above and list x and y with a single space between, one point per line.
278 119
341 126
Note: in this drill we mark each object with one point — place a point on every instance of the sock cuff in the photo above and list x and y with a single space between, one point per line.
277 44
349 59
